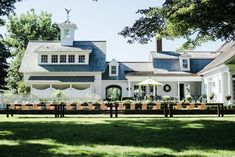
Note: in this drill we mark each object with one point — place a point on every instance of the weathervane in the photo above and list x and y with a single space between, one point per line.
67 10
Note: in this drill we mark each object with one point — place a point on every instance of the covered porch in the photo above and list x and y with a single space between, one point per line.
175 87
72 87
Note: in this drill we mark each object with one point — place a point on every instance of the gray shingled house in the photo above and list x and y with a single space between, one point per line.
80 69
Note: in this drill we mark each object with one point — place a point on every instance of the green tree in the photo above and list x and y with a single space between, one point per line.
6 7
4 54
23 88
198 21
21 29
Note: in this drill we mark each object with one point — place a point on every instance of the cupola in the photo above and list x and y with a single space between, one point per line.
67 30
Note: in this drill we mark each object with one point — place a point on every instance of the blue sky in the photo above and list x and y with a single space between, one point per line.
103 20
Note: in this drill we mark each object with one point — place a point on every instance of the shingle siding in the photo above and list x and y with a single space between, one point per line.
198 64
166 64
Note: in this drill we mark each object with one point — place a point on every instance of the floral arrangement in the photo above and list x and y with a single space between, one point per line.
228 97
189 98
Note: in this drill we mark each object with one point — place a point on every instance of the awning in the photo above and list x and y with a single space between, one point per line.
62 78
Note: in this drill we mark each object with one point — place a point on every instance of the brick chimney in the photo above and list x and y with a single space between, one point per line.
159 45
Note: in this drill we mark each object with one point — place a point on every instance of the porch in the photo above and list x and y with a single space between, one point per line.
175 87
71 86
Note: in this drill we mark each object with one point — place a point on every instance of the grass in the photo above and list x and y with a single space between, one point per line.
100 136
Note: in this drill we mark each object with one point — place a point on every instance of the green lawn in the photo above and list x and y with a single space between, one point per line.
200 136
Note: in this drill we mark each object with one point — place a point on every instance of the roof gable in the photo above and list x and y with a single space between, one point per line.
97 61
227 52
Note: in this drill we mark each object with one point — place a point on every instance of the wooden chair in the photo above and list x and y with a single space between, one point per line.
178 106
191 106
157 106
24 107
68 107
36 107
120 106
202 106
90 106
79 106
132 107
18 106
103 106
48 106
144 107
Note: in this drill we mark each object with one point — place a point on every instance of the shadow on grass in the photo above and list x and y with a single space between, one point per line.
174 134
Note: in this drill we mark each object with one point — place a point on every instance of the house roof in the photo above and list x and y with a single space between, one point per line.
63 78
192 54
173 65
228 51
57 47
169 61
175 73
128 67
97 61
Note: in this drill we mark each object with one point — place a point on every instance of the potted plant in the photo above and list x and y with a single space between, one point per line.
211 96
166 98
189 98
228 98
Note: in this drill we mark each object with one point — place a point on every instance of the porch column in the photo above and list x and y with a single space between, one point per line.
140 92
230 85
129 88
178 90
31 87
154 91
70 85
50 86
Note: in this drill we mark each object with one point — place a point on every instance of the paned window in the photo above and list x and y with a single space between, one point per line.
44 58
71 58
54 58
81 58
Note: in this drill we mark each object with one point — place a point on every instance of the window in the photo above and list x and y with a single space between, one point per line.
185 63
66 33
62 58
81 58
71 58
54 58
113 70
44 58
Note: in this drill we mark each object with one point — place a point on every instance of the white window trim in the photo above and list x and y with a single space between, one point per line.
76 54
113 63
181 63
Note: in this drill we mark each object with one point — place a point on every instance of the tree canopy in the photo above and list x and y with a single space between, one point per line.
198 21
6 7
21 29
4 54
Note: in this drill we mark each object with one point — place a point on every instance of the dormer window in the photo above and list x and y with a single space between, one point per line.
81 59
67 33
113 68
62 58
54 58
44 58
185 64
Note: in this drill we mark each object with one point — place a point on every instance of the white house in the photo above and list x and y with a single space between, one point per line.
79 68
219 75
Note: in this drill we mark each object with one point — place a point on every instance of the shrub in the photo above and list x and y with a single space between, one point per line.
166 98
189 98
23 88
